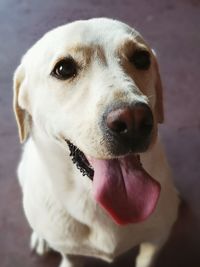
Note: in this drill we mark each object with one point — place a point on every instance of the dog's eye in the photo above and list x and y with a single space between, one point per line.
141 59
65 69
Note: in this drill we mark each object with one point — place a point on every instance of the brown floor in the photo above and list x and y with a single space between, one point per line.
173 29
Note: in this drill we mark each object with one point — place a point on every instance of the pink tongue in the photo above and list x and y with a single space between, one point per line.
124 189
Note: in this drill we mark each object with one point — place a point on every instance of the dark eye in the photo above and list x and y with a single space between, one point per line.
65 69
141 59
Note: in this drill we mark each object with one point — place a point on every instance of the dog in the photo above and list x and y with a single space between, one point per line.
94 176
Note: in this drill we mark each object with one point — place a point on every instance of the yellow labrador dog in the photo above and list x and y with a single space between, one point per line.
95 180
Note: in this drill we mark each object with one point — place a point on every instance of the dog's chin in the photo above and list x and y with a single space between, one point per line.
82 161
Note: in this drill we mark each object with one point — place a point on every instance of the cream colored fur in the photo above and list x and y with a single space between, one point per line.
57 199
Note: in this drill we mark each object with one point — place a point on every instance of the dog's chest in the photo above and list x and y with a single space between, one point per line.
84 228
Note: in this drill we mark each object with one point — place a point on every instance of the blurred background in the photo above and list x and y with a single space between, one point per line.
173 29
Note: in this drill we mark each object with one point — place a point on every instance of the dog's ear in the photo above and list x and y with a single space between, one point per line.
19 102
159 108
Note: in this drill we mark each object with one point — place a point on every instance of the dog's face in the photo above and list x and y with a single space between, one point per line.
95 85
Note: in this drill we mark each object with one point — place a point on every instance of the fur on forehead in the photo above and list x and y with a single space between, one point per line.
101 31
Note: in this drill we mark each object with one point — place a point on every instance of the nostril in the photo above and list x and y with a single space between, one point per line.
146 128
120 121
146 125
119 127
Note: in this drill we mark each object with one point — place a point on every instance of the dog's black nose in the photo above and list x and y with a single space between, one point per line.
131 125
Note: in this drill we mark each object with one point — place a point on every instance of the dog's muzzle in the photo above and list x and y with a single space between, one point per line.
128 128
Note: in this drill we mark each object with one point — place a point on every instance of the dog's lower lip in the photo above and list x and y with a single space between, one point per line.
80 160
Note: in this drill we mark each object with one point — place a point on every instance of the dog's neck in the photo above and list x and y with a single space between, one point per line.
46 142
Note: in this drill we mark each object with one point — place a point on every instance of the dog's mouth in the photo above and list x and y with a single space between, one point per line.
120 185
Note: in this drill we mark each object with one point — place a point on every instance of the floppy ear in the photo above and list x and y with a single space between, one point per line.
21 115
159 108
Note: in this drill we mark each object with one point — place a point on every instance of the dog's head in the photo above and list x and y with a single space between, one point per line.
94 84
